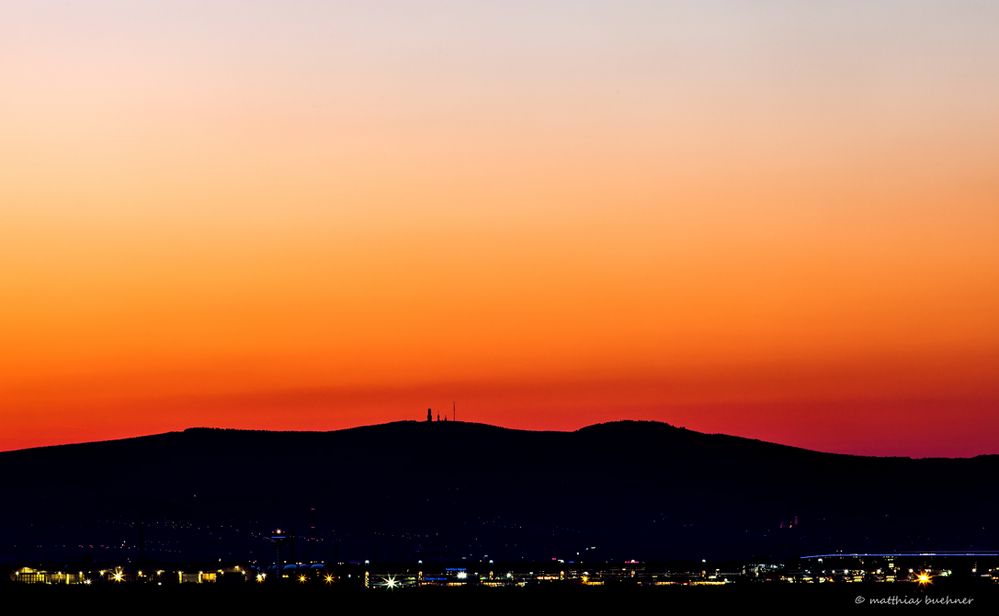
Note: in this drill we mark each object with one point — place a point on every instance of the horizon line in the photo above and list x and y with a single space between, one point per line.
496 426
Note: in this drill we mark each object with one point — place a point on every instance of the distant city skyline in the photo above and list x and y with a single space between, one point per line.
775 220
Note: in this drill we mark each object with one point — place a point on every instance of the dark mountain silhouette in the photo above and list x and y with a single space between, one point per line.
447 490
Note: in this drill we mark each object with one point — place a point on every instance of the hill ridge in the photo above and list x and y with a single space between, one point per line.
415 490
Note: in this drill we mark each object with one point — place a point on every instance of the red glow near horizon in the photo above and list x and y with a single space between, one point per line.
839 420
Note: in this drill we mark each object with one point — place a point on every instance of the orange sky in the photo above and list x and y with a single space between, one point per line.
776 221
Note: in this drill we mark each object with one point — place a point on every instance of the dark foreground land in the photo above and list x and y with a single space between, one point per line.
806 598
442 491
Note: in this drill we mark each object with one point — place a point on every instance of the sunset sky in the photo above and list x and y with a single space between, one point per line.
773 219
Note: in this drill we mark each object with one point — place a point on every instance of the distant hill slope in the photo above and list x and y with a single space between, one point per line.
445 490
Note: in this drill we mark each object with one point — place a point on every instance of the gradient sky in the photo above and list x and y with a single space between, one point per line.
770 219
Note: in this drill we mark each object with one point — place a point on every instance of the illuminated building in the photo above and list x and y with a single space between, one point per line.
27 575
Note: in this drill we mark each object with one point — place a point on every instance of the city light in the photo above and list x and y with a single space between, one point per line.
303 575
